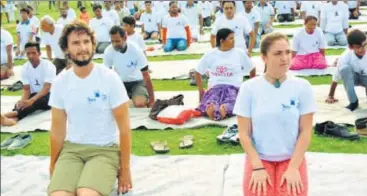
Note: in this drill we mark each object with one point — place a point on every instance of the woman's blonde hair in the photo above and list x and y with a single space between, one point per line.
268 40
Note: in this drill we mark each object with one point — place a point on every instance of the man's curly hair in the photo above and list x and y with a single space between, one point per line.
76 26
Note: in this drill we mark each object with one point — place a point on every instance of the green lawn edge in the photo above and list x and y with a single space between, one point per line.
204 143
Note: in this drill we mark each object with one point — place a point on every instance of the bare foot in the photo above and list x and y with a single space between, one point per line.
11 114
7 121
223 111
210 111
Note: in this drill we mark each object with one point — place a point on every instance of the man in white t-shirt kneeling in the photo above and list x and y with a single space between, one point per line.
176 33
50 37
352 69
131 64
90 137
37 76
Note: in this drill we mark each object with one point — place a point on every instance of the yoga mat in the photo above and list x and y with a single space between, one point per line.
172 70
139 117
194 175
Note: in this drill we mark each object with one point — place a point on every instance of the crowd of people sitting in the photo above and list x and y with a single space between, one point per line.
177 25
90 102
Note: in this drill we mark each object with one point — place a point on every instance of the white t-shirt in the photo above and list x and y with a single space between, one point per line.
227 67
128 65
137 39
192 14
35 24
266 13
102 28
349 58
239 24
71 15
275 114
311 8
63 21
161 8
253 17
130 4
53 41
206 8
112 15
305 43
25 30
6 40
45 72
175 26
150 21
334 18
240 7
88 103
352 4
284 7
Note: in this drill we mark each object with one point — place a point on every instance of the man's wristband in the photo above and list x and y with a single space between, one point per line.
258 169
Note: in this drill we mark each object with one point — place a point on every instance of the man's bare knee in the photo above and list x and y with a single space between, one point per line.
87 192
140 102
154 36
62 193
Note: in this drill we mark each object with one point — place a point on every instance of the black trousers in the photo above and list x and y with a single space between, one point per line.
285 17
40 104
351 14
207 21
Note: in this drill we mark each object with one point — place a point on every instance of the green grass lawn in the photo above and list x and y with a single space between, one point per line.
204 143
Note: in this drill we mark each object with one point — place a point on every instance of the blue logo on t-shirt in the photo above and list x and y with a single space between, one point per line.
292 103
132 64
97 95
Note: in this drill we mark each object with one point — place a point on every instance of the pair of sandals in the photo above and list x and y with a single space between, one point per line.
16 86
162 147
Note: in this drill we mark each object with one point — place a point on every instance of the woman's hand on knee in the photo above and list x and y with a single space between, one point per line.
259 182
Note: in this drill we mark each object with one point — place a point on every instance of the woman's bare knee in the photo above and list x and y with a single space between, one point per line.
87 192
62 193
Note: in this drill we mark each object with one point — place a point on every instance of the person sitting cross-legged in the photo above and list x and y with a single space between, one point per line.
151 23
131 64
90 137
176 32
334 23
285 10
101 25
37 76
226 65
309 46
351 69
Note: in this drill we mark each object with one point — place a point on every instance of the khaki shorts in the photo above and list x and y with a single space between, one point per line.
86 166
136 89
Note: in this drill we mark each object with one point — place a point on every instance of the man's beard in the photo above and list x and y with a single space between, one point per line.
81 63
121 49
64 16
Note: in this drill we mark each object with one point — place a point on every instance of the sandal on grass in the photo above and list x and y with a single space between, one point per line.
187 142
160 147
16 86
